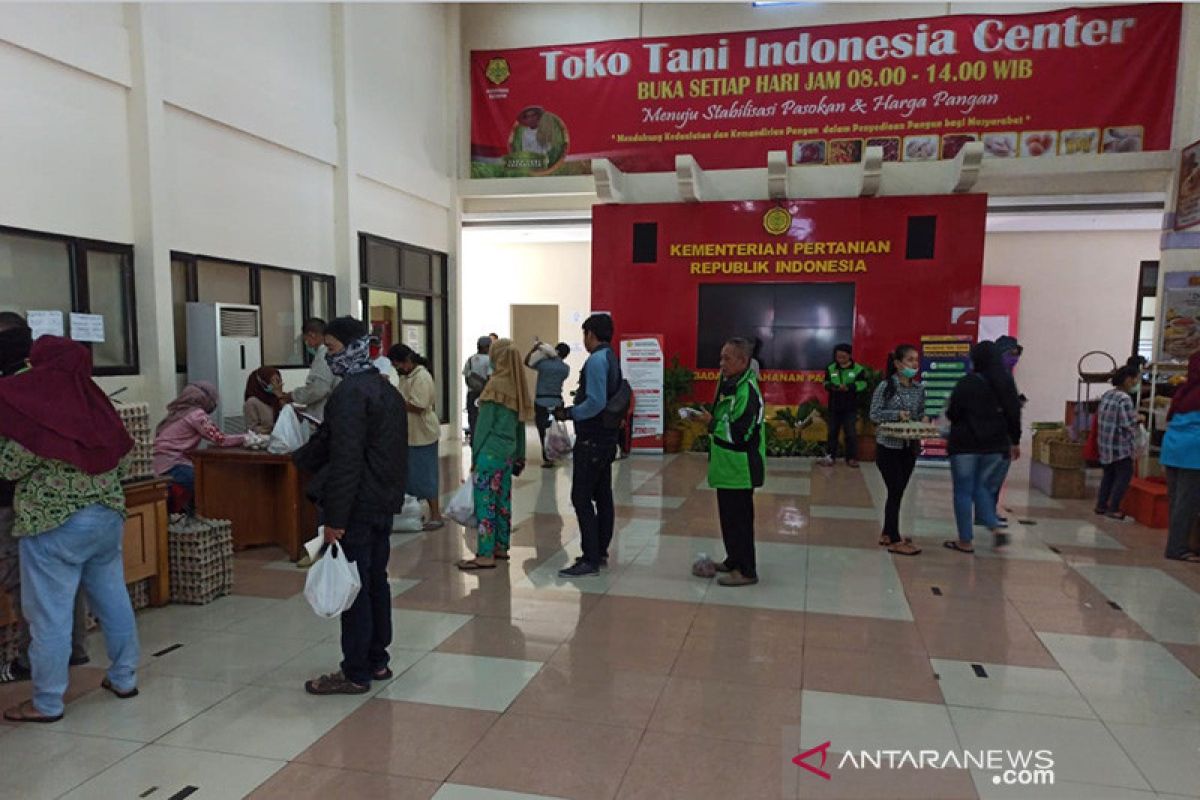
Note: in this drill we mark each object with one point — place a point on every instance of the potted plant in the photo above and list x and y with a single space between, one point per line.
866 428
677 384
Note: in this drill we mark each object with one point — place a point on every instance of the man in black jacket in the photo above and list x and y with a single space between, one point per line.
358 457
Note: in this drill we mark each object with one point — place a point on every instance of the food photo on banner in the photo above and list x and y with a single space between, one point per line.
920 89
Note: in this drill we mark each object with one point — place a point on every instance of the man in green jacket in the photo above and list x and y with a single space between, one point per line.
737 460
845 381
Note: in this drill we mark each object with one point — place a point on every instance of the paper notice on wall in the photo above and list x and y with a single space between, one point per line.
45 323
87 327
642 365
992 327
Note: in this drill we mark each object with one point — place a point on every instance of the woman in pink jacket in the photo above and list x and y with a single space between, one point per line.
186 425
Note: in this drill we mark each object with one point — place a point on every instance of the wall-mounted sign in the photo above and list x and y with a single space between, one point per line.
1187 189
1077 81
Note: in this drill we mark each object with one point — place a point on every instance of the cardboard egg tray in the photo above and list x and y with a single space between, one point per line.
136 418
200 554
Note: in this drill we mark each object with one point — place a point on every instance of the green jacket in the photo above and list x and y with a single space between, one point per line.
854 377
498 433
738 449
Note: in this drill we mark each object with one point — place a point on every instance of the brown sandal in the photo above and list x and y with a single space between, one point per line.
334 683
500 555
954 544
25 712
473 565
884 541
905 548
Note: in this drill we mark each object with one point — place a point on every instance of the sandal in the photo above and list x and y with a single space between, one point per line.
884 541
433 525
904 549
335 683
955 544
25 712
106 684
473 565
382 674
1188 558
501 555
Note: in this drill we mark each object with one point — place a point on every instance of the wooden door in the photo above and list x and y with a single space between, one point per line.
532 321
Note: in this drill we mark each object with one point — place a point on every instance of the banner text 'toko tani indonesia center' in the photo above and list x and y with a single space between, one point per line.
1070 82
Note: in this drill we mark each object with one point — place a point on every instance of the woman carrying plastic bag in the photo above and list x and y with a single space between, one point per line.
498 454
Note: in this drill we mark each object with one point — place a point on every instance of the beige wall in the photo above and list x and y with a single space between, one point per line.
497 275
1077 294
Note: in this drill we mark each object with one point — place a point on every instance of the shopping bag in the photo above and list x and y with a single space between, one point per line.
558 441
1141 440
289 433
332 582
462 505
409 519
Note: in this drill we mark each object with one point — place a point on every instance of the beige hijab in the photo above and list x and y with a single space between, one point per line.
507 385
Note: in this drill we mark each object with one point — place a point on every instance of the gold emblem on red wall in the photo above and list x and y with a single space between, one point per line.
497 71
777 221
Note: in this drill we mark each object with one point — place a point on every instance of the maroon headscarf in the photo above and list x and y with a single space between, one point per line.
201 394
55 411
1187 396
256 385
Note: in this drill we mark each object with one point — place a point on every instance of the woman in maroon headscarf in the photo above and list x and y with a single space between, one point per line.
264 388
62 443
1181 457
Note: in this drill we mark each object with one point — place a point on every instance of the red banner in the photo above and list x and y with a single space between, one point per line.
797 276
1068 82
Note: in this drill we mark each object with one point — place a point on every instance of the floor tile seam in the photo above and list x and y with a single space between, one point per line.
141 746
1094 718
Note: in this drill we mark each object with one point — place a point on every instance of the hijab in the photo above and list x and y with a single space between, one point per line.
354 359
55 411
1187 396
258 386
201 394
15 344
507 386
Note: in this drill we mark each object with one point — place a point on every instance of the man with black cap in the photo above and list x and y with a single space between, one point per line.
476 373
16 340
358 456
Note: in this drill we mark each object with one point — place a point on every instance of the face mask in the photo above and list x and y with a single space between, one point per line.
908 372
1010 360
312 351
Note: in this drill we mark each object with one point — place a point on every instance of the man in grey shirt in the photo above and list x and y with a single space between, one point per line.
552 372
320 381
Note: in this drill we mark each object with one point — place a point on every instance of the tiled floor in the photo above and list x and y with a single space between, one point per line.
645 682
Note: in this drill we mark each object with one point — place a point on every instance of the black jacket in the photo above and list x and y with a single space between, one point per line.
360 453
984 419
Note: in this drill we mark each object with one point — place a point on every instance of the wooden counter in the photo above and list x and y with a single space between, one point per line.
261 493
145 545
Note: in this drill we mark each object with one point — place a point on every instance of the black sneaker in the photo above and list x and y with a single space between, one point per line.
999 540
603 562
580 569
13 672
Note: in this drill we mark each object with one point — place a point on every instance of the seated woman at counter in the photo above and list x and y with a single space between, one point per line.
186 425
264 390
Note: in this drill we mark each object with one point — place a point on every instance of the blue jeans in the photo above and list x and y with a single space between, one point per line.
995 485
86 548
974 475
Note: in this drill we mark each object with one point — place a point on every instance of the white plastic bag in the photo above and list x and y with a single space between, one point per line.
289 433
409 519
558 441
332 583
462 506
1141 440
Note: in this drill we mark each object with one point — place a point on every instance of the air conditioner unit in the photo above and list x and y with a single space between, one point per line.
224 346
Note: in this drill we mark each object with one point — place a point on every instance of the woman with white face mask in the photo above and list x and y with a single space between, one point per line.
898 398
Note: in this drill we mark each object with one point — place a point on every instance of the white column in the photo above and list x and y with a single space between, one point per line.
151 249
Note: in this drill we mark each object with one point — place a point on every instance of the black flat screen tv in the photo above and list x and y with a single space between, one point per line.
798 323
